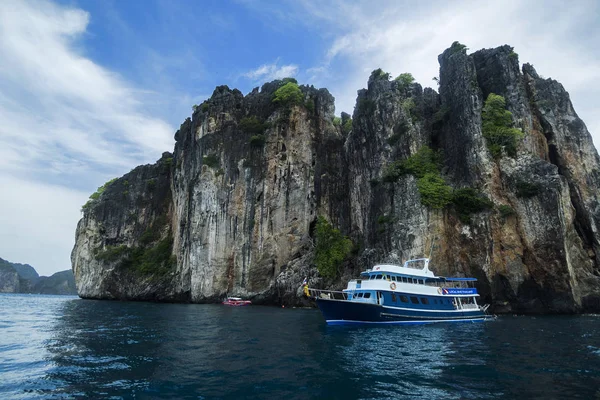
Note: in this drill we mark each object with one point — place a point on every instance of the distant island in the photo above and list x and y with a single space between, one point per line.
23 278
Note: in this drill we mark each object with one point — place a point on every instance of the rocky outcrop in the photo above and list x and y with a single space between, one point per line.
9 279
233 209
127 233
62 282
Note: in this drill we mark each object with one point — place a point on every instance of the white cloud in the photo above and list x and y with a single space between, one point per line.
37 225
56 101
268 72
64 120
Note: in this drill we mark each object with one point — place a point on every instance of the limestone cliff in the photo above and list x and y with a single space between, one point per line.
233 209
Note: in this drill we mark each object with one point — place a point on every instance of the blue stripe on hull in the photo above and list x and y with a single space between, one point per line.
337 312
415 322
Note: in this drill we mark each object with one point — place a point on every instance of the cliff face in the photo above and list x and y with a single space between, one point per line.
233 209
9 280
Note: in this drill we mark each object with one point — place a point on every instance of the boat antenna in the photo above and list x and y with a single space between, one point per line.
431 249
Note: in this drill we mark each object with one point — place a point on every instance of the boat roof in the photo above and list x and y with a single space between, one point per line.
234 298
412 268
417 267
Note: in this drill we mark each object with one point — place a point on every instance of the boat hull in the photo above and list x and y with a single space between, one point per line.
341 312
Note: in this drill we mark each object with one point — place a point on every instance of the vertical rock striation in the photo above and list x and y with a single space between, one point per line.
233 209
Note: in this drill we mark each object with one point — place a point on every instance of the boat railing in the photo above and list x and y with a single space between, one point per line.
328 294
447 285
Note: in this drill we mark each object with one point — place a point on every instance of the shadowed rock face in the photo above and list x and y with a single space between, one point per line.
233 208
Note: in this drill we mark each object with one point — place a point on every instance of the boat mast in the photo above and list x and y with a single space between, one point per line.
431 249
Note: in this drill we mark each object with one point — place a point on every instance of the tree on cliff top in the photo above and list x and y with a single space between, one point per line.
406 79
288 95
96 195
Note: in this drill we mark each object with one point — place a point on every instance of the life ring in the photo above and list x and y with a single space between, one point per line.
440 290
393 286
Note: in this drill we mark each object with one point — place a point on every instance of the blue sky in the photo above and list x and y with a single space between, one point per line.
89 89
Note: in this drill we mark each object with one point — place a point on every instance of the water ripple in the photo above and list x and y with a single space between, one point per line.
63 347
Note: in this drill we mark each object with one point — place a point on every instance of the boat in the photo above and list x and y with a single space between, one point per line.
236 301
407 294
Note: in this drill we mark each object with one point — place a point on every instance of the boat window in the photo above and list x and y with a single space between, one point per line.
378 277
414 300
404 299
424 300
360 295
367 295
435 301
394 297
393 278
421 281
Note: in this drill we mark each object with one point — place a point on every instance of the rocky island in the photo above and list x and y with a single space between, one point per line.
23 278
494 175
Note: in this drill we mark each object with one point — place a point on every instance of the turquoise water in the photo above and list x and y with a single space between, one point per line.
65 347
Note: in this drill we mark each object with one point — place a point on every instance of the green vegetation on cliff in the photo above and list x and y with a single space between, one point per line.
458 47
155 260
405 79
96 195
527 189
435 192
425 166
424 161
380 74
497 127
211 161
468 201
506 210
331 248
257 140
252 125
111 253
288 95
152 256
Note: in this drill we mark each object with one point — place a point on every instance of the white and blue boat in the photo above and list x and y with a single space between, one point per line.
407 294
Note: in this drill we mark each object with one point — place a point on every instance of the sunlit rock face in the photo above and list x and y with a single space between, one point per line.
233 209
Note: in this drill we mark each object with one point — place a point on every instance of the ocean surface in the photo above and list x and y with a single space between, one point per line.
65 347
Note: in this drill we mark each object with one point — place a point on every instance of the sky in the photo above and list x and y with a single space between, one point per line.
90 89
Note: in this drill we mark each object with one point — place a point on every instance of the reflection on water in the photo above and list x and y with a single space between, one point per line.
409 362
61 347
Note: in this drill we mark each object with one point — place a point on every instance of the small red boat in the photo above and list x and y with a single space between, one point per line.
236 301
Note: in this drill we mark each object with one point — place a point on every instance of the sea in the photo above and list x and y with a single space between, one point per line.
62 347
